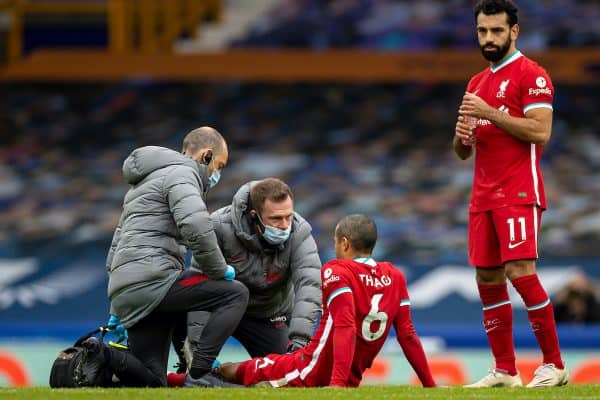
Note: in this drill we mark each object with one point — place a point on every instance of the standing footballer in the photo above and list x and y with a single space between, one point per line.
506 118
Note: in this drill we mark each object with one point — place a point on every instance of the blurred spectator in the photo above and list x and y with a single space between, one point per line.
423 24
578 302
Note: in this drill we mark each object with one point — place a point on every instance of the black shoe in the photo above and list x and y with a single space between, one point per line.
181 367
92 367
209 380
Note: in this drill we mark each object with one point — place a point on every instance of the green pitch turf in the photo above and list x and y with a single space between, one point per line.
367 393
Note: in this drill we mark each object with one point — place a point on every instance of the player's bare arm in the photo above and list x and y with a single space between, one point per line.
464 139
228 371
535 128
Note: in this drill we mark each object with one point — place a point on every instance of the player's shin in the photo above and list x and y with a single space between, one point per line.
497 321
541 317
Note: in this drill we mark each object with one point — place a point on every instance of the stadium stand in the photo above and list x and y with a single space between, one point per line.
409 25
121 26
383 150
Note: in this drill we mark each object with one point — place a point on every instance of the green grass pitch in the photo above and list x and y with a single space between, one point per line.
365 392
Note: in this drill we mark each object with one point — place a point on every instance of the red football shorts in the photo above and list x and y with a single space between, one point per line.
503 234
279 369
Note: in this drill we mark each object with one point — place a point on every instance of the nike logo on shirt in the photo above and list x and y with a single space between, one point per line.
513 245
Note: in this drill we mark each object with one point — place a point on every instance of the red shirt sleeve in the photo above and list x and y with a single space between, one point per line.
471 85
536 88
339 300
409 340
344 337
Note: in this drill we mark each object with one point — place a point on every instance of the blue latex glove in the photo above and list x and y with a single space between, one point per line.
119 330
229 273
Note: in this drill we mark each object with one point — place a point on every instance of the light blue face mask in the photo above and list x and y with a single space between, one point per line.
275 235
213 179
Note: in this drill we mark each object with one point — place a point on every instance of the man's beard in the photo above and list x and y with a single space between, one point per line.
498 53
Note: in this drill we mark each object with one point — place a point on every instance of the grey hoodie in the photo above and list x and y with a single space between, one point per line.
163 212
281 279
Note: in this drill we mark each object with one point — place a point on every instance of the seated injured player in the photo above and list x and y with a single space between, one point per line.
362 300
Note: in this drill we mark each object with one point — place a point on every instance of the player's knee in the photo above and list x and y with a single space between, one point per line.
518 268
491 276
239 292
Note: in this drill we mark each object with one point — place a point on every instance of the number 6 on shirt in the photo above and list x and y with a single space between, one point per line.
374 315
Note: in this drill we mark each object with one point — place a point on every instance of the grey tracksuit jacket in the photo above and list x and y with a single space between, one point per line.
281 279
163 213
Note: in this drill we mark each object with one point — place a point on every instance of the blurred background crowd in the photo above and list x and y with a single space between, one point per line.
423 24
384 150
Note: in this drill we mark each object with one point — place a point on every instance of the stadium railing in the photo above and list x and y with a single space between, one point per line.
147 26
574 66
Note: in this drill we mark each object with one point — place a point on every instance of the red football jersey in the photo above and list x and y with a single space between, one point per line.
377 291
507 170
362 299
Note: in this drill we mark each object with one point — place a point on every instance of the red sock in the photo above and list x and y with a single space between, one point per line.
175 380
497 321
541 317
